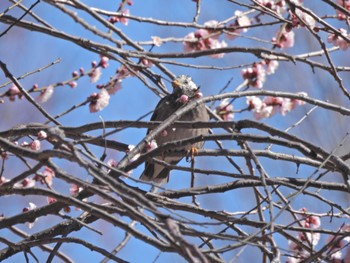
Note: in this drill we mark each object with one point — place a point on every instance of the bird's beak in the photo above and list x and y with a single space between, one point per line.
176 84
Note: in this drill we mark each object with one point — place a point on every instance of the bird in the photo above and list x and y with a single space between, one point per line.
184 89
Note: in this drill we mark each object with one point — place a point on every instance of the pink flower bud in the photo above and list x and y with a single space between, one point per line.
184 99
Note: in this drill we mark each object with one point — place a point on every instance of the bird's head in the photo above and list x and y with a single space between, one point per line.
183 85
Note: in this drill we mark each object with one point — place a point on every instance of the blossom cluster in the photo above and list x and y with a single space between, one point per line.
269 106
311 238
208 39
256 75
308 238
225 110
339 40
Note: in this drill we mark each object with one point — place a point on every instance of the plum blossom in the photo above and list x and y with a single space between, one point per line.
104 62
151 145
42 135
299 253
336 248
25 183
113 86
46 93
112 163
95 74
242 21
284 39
3 180
130 148
72 84
156 41
278 6
300 18
46 176
346 5
146 62
51 200
75 189
12 92
271 66
225 110
256 75
31 206
35 145
183 99
259 108
338 41
123 72
202 39
120 18
98 101
270 105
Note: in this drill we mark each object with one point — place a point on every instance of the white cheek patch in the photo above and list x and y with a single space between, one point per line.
192 86
174 129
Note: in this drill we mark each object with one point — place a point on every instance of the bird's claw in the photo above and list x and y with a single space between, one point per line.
191 153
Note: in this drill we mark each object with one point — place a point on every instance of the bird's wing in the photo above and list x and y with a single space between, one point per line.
156 172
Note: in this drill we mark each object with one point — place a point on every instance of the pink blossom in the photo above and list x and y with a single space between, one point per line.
12 92
25 183
104 62
42 135
286 106
277 6
95 74
51 200
254 102
300 18
202 40
112 163
98 101
3 180
114 86
75 74
46 93
256 75
264 112
183 99
338 41
73 84
48 175
346 5
4 155
123 72
74 189
284 39
242 21
262 109
225 110
212 31
299 254
156 41
272 65
297 102
35 145
198 95
147 63
151 145
31 207
217 44
120 18
130 148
